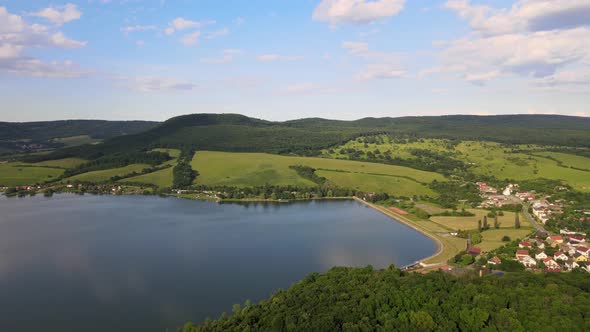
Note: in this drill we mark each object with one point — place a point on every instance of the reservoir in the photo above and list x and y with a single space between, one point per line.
139 263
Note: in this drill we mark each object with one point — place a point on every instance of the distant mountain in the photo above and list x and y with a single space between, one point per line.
234 132
31 136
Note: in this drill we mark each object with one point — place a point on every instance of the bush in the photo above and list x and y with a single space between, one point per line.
506 238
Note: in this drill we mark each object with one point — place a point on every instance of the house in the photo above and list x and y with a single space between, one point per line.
579 257
571 250
560 255
494 260
521 253
553 269
550 263
576 238
541 255
554 240
525 244
70 186
571 265
583 251
474 251
527 261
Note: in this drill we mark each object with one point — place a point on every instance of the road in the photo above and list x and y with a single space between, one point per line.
532 220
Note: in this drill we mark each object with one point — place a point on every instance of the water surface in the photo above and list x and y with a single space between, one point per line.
106 263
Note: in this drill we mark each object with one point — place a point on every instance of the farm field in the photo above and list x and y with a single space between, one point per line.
469 223
251 169
18 174
492 238
105 175
162 178
62 163
487 158
76 140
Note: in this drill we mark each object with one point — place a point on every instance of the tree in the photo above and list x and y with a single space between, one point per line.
479 225
517 220
496 223
485 223
506 238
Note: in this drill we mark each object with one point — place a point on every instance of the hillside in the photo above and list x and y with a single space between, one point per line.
238 133
361 299
32 136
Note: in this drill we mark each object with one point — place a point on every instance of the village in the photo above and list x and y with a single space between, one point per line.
541 251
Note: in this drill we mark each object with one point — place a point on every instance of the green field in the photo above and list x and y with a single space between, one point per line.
488 158
106 175
18 174
76 140
62 163
252 169
469 223
162 178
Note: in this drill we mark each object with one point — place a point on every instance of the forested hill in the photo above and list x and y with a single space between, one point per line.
361 299
238 133
32 136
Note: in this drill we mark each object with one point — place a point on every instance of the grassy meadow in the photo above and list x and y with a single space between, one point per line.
162 178
253 169
106 175
489 158
18 174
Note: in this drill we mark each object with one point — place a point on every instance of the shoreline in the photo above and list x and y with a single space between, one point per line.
399 218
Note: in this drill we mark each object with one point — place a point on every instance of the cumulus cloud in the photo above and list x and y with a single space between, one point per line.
277 57
227 56
17 36
154 84
180 23
217 33
532 39
191 39
138 28
524 15
356 11
60 15
381 65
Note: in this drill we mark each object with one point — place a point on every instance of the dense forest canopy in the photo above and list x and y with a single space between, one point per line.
238 133
362 299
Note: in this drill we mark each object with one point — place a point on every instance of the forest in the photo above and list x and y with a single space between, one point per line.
364 299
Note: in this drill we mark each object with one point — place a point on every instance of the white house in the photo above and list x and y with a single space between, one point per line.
550 263
541 255
560 255
527 261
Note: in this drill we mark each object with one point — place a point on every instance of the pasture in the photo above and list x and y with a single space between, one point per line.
469 223
106 175
253 169
18 174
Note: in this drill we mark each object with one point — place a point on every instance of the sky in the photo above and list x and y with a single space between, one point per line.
290 59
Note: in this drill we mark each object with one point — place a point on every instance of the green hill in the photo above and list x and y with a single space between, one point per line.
33 136
238 133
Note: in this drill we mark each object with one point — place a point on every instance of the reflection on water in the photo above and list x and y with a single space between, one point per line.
92 263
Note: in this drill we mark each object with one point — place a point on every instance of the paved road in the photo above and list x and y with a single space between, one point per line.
532 220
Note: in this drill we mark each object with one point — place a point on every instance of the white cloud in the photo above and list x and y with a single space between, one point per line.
217 33
138 28
524 15
278 57
356 11
191 38
17 36
381 65
60 15
532 39
220 60
154 84
381 71
180 23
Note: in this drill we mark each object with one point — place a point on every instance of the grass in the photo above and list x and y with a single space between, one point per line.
162 178
62 163
253 169
76 140
469 223
18 174
492 238
489 158
106 175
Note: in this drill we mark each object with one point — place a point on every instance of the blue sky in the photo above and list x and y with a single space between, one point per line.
288 59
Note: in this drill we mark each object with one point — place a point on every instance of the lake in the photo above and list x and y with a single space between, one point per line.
135 263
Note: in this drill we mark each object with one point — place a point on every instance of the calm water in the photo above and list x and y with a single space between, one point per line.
92 263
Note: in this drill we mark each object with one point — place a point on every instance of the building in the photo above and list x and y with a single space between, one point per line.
495 260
